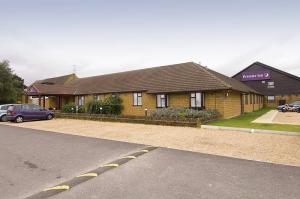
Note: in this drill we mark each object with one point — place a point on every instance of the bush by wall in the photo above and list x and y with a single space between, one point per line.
71 108
184 113
111 105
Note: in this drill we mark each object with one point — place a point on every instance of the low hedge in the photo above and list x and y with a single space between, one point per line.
184 114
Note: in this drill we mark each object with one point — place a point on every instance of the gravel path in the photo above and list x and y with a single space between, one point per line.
287 118
261 147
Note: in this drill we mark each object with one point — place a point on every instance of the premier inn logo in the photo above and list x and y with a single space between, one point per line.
256 75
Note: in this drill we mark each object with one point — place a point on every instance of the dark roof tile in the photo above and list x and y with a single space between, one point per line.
182 77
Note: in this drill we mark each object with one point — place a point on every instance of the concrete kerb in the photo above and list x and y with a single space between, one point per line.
249 130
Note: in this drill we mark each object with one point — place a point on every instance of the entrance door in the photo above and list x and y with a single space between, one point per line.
282 102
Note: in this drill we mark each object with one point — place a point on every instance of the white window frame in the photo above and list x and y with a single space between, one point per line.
137 99
196 100
271 84
162 100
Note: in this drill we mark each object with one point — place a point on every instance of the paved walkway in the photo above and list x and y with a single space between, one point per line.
276 117
267 118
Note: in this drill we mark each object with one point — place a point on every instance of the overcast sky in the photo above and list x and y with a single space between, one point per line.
45 38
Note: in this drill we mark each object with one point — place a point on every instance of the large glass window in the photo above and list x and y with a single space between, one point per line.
162 100
196 100
137 99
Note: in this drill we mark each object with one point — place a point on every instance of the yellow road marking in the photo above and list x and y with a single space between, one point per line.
88 175
145 150
110 165
60 187
129 157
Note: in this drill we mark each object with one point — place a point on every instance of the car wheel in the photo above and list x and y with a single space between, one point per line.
49 117
19 119
3 118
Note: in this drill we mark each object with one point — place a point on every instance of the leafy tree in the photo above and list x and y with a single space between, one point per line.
11 85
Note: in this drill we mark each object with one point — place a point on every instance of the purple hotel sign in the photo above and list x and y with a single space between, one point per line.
256 75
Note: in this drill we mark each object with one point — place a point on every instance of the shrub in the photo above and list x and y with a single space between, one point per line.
94 107
71 108
184 113
111 105
81 109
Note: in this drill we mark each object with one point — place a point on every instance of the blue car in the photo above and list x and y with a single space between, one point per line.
25 112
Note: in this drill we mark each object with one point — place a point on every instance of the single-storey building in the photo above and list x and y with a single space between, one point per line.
277 86
188 85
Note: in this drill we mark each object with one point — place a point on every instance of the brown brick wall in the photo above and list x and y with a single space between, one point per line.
179 100
256 104
232 105
287 98
228 105
148 101
215 100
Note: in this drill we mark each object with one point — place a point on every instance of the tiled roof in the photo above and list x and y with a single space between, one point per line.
182 77
61 80
46 89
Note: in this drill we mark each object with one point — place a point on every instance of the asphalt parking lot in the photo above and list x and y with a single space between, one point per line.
32 160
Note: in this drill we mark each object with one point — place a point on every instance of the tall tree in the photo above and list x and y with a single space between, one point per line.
11 85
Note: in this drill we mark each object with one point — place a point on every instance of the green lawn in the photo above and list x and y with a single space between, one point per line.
244 121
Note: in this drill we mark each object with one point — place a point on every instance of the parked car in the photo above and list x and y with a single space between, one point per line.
294 107
3 112
25 112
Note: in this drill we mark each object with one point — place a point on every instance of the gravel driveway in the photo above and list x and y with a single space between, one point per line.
261 147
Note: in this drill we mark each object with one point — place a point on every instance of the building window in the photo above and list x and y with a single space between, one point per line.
271 85
251 98
97 97
137 99
246 99
271 98
162 101
80 100
196 100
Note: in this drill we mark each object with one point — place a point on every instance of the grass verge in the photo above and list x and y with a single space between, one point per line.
244 121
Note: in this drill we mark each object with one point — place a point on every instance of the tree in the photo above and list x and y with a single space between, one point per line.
11 85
